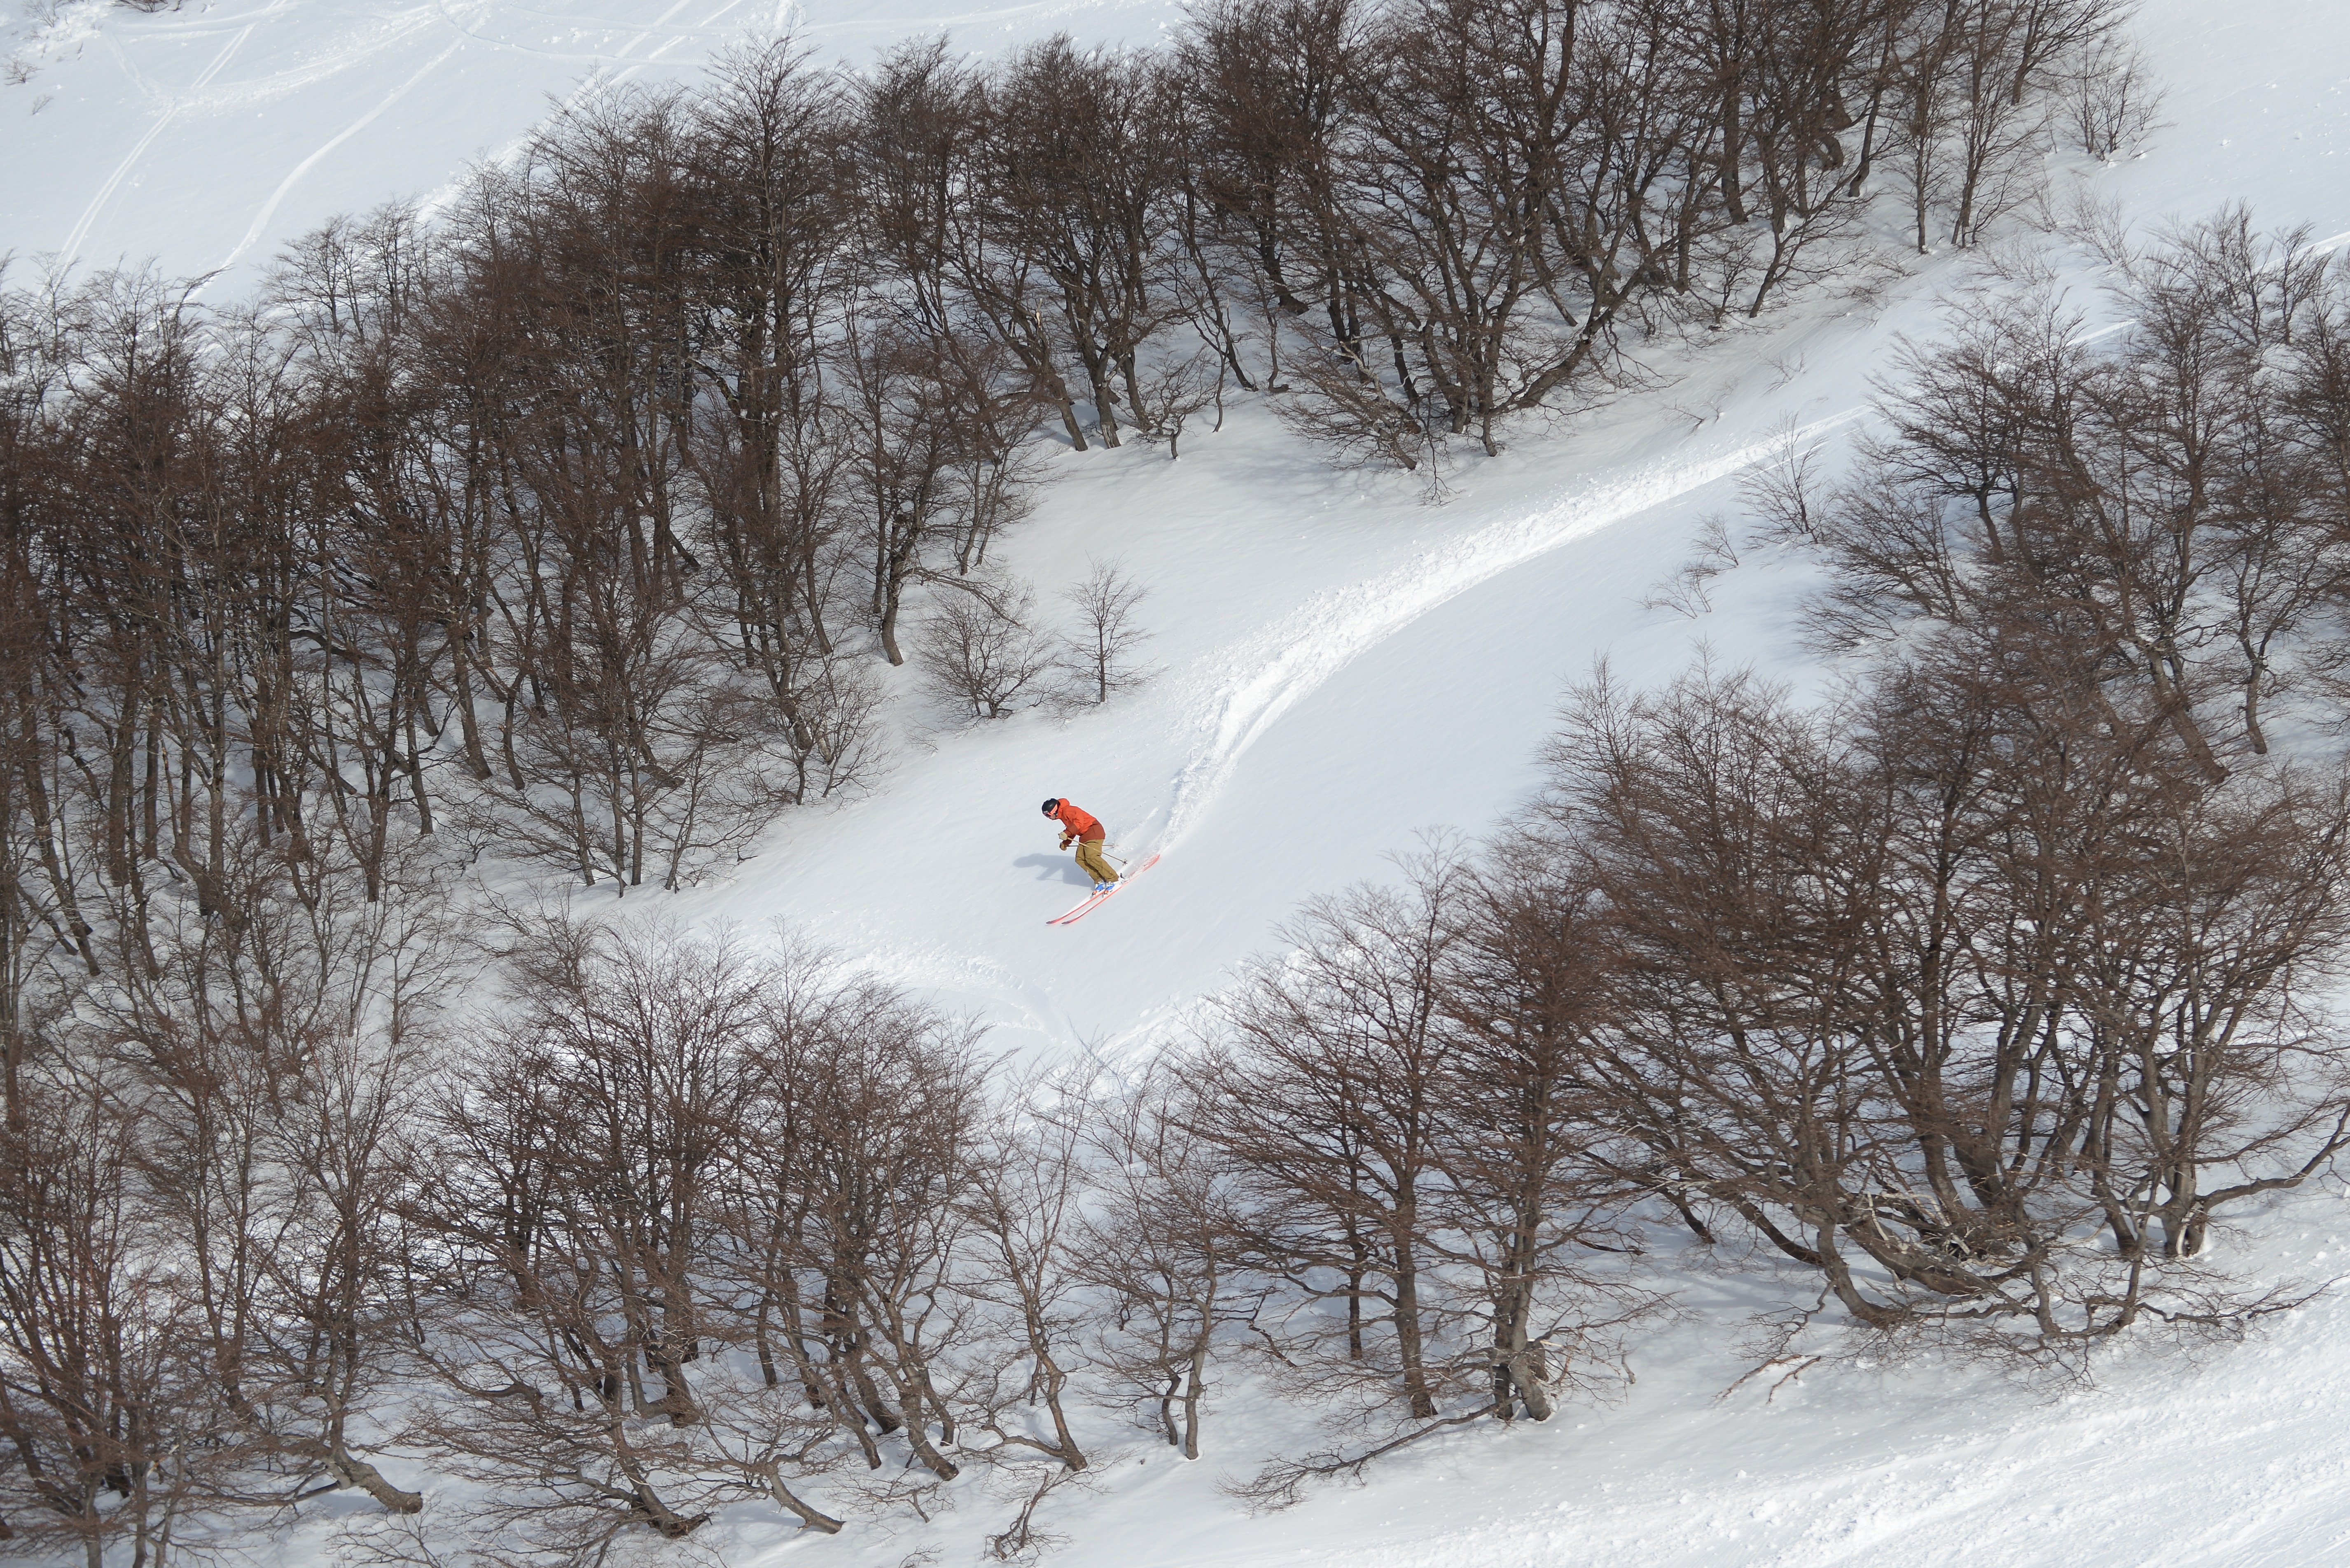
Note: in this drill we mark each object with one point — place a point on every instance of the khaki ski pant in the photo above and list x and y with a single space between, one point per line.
1090 857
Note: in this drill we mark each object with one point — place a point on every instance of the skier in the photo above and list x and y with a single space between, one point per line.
1086 830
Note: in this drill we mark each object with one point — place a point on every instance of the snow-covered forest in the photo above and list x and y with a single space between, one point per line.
1723 628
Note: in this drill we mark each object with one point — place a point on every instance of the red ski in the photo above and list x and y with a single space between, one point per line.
1074 916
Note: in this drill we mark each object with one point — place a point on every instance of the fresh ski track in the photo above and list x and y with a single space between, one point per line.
1266 678
71 250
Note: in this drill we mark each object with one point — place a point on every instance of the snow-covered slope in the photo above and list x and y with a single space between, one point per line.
206 135
1345 667
2242 1462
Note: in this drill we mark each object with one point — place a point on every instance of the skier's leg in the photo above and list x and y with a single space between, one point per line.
1089 856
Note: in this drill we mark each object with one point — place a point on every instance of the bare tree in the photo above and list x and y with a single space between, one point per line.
1168 395
768 449
1159 1240
1023 1201
576 1169
1102 648
1685 592
1401 1112
1074 178
845 1208
1325 1098
1531 1195
2113 103
932 460
107 1428
977 656
281 1061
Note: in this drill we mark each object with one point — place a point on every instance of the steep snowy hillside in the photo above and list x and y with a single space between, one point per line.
206 135
1345 668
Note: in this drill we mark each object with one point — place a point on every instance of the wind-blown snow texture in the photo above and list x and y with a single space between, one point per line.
1345 667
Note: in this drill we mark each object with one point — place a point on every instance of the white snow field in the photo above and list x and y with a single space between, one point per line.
1345 667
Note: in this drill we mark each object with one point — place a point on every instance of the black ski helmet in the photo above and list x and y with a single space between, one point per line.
1049 806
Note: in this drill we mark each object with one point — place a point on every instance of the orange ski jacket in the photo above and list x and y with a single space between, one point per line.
1077 824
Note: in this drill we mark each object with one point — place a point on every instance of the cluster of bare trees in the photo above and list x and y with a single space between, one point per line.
461 532
1404 1123
1983 989
1986 987
1446 213
544 524
1972 994
704 1225
2163 500
1978 991
982 656
204 1265
683 1226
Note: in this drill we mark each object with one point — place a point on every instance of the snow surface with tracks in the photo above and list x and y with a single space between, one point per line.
1344 669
